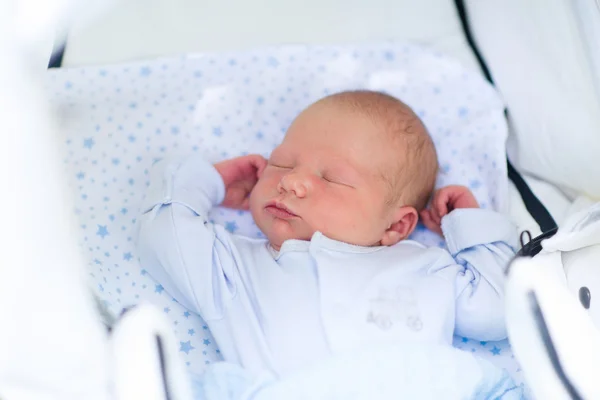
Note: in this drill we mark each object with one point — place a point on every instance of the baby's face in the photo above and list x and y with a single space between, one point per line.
327 176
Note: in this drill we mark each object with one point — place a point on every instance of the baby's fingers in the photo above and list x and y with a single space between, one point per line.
440 204
259 163
429 222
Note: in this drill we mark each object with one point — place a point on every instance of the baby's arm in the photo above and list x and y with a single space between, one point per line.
482 243
194 260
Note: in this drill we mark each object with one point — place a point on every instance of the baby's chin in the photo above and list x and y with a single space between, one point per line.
276 239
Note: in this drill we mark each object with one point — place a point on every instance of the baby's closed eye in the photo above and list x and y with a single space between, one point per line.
279 165
334 179
330 179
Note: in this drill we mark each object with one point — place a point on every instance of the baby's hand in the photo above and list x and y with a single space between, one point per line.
240 174
444 201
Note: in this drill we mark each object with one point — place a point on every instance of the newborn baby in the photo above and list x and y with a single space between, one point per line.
336 201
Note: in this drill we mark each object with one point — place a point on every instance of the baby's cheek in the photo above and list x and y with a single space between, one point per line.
349 215
266 183
367 219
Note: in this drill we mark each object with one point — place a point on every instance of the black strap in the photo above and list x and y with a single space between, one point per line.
532 203
535 207
58 53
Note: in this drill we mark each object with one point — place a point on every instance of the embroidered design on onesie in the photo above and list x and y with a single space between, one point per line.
395 306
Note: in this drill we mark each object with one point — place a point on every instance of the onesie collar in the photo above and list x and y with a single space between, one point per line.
319 241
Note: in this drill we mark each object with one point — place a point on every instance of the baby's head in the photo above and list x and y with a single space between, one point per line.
356 166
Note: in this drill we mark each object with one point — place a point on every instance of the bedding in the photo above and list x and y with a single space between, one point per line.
119 119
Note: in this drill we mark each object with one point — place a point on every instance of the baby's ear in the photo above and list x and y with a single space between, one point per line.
405 220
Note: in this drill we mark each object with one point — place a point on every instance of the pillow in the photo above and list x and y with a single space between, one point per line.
118 119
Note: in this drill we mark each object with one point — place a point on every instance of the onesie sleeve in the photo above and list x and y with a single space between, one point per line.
194 260
482 243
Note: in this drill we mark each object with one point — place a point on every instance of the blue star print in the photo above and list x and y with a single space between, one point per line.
474 184
145 71
206 342
187 314
127 256
191 332
231 226
102 231
186 347
80 175
217 131
88 143
495 351
158 288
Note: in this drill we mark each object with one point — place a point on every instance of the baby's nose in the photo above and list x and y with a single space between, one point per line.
294 182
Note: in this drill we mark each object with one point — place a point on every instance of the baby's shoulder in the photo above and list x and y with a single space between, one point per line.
238 241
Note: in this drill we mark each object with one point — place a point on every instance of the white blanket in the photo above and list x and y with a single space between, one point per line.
392 372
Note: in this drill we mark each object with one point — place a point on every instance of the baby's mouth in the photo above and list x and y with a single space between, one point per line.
279 210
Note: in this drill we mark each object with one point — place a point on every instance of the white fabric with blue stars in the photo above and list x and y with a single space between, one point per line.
118 119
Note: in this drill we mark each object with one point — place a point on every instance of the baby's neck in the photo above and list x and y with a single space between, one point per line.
275 247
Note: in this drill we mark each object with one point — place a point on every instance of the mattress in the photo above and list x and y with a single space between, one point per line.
118 119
